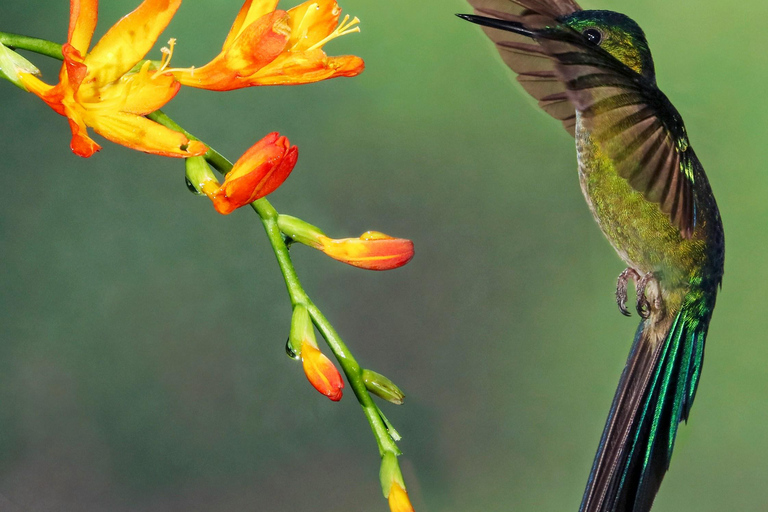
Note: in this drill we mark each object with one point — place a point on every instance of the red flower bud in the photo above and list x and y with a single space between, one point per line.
259 172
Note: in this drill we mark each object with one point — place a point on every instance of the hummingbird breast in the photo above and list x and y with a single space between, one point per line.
642 235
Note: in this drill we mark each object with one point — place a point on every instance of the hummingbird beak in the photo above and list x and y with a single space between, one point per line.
509 26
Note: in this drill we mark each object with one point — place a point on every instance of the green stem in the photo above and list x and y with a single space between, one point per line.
32 44
268 216
297 294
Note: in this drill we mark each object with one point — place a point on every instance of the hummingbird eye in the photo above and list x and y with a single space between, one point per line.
593 35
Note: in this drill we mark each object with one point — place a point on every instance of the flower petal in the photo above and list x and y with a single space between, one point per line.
82 145
307 67
258 45
82 23
311 22
139 93
129 40
140 133
249 13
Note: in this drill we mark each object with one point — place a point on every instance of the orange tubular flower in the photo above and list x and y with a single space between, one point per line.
273 47
259 172
398 499
372 251
100 90
321 372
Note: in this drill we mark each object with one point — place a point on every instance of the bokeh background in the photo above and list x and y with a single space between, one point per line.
142 363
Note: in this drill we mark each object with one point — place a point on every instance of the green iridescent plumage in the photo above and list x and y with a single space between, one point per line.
647 190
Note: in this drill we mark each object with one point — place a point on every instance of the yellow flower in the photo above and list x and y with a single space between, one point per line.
273 47
101 89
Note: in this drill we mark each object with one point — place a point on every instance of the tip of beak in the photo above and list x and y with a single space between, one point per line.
507 25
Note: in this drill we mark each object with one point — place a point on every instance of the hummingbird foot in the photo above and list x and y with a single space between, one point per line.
644 306
621 289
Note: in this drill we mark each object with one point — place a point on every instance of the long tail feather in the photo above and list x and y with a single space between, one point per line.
655 394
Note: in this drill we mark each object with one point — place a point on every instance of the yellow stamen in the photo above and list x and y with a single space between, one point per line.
167 54
345 27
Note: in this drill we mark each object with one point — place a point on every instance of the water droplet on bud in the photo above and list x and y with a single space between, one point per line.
290 352
191 187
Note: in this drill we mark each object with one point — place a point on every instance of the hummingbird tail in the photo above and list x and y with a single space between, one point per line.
655 394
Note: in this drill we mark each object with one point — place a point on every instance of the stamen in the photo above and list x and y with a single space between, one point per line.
345 27
167 54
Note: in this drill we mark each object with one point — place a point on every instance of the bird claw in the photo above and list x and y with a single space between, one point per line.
643 305
621 289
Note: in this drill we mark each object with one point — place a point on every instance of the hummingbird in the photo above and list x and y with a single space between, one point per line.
593 71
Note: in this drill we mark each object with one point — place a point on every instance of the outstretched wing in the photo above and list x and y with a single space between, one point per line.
634 122
535 69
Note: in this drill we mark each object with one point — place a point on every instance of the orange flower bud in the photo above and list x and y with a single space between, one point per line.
259 172
398 499
321 372
372 251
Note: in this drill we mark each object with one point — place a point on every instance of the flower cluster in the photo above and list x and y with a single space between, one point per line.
111 88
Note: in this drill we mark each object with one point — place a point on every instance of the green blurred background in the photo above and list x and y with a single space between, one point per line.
142 365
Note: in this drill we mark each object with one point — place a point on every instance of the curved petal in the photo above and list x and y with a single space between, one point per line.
140 133
307 67
249 13
258 45
73 71
82 23
129 40
139 93
82 145
311 22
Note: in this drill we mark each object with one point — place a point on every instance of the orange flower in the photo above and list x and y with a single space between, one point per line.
372 251
100 89
262 169
398 499
273 47
321 372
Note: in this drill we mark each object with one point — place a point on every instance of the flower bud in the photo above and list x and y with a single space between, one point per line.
259 172
392 484
11 64
382 387
321 372
371 251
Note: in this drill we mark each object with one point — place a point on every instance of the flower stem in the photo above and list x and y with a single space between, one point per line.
32 44
297 294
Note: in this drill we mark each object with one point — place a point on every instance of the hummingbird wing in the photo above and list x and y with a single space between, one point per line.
635 123
534 67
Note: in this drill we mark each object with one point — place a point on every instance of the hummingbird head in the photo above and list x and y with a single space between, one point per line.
618 35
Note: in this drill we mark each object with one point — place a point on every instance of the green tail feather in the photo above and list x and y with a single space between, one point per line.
655 394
